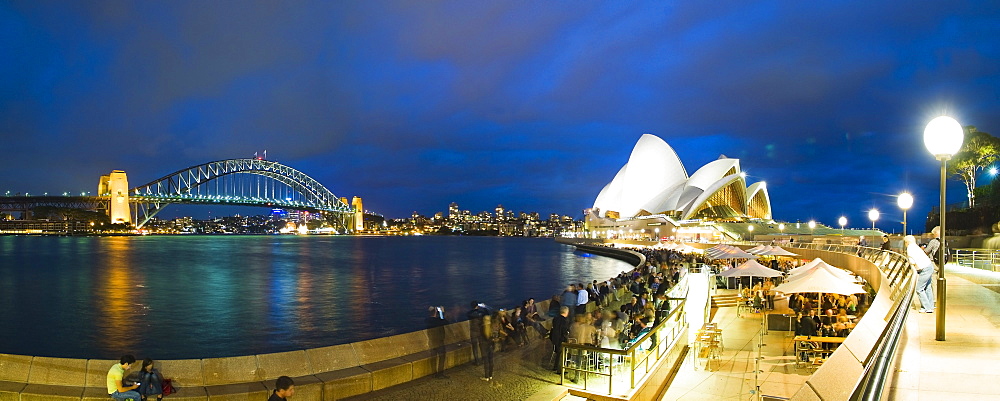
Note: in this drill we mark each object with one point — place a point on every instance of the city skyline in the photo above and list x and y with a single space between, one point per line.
535 107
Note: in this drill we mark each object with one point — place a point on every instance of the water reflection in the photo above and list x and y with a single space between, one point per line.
197 297
118 291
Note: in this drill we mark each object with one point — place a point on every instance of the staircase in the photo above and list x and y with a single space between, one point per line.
725 300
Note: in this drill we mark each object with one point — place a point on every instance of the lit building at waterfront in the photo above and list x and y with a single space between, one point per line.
652 195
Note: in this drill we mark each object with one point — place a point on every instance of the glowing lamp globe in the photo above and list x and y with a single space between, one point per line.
842 221
905 201
873 215
812 224
943 136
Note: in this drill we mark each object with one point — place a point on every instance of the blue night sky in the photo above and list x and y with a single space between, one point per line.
535 105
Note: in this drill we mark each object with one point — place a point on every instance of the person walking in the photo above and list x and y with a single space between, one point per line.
925 273
491 336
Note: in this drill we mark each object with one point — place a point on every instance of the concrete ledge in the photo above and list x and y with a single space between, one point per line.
231 370
333 358
14 368
45 392
458 354
345 383
237 392
425 363
829 380
183 372
97 372
389 373
59 371
96 394
292 364
196 393
11 391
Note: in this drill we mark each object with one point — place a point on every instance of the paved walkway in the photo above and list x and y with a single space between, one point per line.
965 365
518 375
733 376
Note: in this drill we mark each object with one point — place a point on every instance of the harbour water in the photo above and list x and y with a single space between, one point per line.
177 297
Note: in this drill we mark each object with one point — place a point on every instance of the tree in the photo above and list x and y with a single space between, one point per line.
979 150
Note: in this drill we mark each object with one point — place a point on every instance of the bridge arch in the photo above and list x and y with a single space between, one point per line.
185 186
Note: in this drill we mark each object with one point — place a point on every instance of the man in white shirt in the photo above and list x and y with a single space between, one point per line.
582 297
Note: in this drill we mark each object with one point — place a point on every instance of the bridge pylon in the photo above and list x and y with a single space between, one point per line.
115 187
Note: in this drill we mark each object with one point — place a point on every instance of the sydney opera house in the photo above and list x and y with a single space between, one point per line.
653 194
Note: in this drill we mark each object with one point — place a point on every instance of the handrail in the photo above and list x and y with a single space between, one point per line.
872 383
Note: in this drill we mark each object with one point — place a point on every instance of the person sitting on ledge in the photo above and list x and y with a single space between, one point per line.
284 388
151 382
115 375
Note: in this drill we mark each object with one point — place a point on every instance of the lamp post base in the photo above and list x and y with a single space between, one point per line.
942 298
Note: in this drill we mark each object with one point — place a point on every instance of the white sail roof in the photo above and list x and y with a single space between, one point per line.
655 181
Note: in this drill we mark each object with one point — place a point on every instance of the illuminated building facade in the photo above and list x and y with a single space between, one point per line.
655 186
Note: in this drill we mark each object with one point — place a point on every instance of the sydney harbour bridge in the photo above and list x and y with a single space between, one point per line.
236 182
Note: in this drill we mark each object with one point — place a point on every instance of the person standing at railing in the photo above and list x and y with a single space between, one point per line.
925 273
583 332
475 330
934 244
558 335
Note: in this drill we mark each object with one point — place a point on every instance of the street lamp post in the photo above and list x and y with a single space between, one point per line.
843 222
905 201
873 216
812 226
943 136
750 231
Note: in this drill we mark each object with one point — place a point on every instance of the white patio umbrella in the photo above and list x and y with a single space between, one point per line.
751 268
819 264
821 281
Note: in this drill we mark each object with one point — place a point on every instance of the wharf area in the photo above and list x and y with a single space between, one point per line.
960 368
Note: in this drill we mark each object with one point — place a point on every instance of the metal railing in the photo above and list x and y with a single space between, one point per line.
629 365
985 259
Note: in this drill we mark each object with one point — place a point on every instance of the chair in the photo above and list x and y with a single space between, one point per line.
804 352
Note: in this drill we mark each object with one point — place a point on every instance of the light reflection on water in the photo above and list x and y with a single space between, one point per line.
209 296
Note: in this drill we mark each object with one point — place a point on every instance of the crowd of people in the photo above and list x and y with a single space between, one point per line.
610 313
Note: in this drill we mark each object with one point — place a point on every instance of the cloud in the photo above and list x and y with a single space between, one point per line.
531 105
